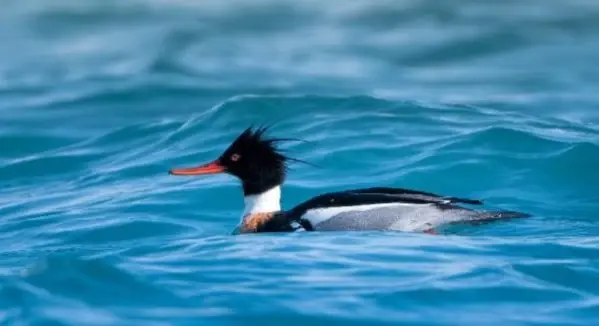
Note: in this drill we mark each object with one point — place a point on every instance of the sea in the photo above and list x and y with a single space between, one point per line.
490 100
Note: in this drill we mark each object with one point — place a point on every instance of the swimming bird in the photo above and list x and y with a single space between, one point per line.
255 160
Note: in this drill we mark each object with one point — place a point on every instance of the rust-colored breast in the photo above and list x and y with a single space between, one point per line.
253 222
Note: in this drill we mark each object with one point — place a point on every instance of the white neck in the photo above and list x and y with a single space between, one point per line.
266 202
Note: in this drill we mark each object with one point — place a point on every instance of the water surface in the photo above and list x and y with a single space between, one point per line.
494 101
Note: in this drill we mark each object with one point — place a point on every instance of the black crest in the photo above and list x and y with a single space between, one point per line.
255 159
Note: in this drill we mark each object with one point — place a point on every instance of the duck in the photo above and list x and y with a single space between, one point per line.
255 159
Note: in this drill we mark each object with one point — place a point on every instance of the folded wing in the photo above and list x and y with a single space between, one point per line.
372 208
409 194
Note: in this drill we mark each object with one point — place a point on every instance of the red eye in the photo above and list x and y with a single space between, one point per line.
235 157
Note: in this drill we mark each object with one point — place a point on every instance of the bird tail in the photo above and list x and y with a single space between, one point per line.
487 217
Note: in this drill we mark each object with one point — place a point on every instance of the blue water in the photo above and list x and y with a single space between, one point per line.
494 100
